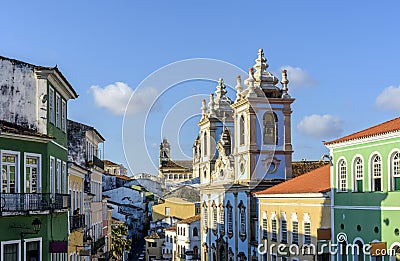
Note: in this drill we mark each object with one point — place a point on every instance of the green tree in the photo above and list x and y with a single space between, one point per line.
120 241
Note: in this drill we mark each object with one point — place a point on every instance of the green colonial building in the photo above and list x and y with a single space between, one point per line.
365 176
33 152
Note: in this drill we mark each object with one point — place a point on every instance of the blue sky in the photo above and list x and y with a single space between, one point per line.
342 56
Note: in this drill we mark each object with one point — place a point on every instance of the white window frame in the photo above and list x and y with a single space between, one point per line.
9 243
58 110
274 231
306 220
64 184
342 178
374 155
17 169
51 105
215 216
39 174
284 233
63 115
392 169
52 170
58 176
242 220
356 174
40 246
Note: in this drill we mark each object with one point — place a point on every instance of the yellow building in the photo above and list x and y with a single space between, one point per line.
76 177
175 207
295 218
154 244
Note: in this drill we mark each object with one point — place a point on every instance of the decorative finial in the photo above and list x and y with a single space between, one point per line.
221 89
203 107
211 104
250 84
284 83
239 87
263 78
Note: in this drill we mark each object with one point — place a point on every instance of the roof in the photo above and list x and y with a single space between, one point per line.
8 127
178 200
123 177
304 166
316 181
190 219
87 127
178 164
383 128
172 228
186 192
109 162
55 68
155 236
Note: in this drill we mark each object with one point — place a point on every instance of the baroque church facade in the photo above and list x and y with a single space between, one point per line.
243 146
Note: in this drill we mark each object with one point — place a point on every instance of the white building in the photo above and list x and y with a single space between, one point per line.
169 246
252 151
188 238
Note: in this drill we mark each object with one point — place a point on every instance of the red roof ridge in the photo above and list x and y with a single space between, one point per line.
382 128
315 181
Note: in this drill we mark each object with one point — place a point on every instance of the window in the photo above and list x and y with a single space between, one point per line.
205 141
195 232
10 250
52 175
51 105
221 218
167 211
205 215
295 232
241 130
283 231
64 178
58 171
274 230
32 173
229 218
32 249
215 216
358 175
307 233
58 111
270 128
64 116
264 228
342 176
273 257
242 217
9 172
396 171
376 173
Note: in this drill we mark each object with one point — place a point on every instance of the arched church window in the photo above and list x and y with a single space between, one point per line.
270 123
205 142
241 130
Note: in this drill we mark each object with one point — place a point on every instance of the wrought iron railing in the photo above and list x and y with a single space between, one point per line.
76 222
25 202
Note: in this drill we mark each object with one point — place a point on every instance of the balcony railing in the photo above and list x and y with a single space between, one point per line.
25 202
76 222
98 244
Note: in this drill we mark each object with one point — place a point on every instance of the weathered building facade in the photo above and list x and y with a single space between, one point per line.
33 152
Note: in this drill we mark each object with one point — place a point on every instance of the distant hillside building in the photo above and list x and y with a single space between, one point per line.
114 168
173 171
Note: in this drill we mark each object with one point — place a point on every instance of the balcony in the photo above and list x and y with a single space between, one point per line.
26 202
76 222
98 244
95 162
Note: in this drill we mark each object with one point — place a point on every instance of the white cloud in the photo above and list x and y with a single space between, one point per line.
321 126
298 77
115 98
389 98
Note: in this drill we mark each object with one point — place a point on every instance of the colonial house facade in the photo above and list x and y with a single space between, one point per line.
188 239
366 183
294 218
252 151
33 153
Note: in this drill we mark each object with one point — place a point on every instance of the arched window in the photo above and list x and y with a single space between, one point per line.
342 175
270 128
195 251
229 219
242 220
295 232
376 173
221 219
284 232
274 228
195 232
241 130
358 253
205 216
215 216
395 165
358 175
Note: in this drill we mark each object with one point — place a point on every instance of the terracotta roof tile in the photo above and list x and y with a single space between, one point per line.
173 228
123 177
190 219
385 127
155 236
315 181
178 164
